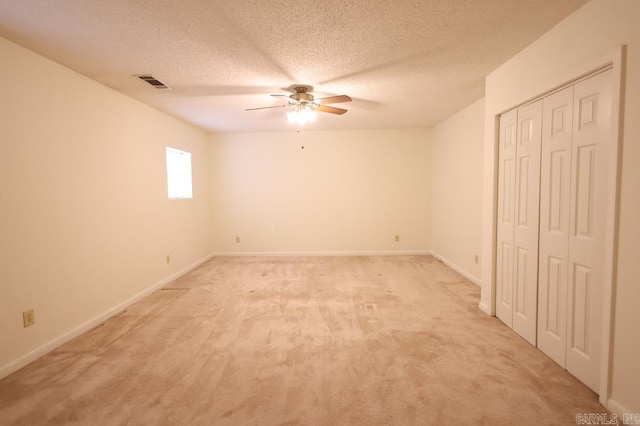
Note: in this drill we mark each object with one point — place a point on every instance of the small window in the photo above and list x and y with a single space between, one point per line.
178 174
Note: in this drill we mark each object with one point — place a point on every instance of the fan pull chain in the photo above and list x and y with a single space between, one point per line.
300 131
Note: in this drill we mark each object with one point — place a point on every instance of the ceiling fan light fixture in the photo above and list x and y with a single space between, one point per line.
303 107
301 115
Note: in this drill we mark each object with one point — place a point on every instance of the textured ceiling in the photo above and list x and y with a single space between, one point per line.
405 63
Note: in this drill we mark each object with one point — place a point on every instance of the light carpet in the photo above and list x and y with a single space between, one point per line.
375 340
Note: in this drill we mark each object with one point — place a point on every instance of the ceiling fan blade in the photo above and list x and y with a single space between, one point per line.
334 99
286 96
276 106
332 110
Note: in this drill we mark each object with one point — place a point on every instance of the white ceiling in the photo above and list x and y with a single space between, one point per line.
405 63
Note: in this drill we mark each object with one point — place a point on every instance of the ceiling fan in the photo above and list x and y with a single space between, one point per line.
302 101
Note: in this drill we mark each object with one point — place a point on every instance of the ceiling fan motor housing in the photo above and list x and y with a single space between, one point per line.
301 95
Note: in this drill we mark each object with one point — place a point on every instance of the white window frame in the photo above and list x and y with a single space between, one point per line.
179 176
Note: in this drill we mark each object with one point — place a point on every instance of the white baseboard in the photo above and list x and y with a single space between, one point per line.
484 308
616 408
181 272
323 253
458 269
29 357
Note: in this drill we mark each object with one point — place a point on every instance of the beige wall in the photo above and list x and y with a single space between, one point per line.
85 222
346 191
592 31
457 190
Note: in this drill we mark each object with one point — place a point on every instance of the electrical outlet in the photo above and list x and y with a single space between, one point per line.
168 258
397 238
237 239
475 258
28 318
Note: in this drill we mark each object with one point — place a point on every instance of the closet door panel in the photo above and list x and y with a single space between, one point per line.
591 139
506 217
526 226
555 183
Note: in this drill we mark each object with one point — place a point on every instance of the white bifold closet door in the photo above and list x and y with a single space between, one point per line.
506 217
518 198
555 181
525 272
575 147
552 194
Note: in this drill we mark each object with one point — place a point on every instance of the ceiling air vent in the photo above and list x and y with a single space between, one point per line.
153 81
